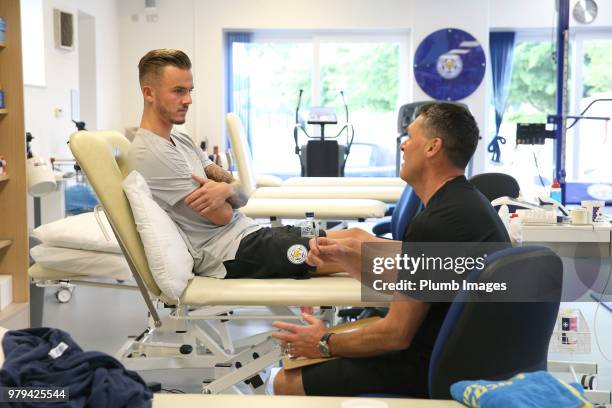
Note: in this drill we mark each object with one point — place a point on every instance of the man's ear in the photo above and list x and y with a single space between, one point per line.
148 93
433 147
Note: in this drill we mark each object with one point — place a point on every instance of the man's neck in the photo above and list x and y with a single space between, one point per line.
430 185
156 125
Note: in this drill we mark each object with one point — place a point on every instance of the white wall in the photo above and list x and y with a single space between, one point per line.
88 99
62 74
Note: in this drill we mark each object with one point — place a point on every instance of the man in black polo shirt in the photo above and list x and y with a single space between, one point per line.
392 355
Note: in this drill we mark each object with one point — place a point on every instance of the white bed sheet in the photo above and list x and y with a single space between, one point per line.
82 262
81 231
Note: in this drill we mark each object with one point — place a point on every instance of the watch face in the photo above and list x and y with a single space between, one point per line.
324 348
585 11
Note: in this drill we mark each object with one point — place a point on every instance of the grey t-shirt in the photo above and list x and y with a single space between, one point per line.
167 168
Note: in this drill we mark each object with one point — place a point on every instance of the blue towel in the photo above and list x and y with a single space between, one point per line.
93 379
537 390
80 198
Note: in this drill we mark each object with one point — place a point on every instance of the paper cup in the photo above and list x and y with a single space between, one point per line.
594 210
579 216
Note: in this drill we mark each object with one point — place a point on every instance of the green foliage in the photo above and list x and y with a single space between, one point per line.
368 74
533 88
597 62
533 83
276 72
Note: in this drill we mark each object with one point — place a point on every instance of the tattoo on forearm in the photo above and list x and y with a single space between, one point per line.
216 173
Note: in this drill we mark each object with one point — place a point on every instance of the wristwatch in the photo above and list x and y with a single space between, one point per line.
324 345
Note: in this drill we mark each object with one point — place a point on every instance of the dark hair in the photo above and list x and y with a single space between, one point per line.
155 60
457 128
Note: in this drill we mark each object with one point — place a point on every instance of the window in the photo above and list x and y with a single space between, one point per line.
531 99
365 67
33 47
590 145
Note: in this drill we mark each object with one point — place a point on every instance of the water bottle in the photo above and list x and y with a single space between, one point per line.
308 227
555 191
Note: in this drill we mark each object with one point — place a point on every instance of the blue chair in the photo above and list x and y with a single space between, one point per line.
406 208
496 338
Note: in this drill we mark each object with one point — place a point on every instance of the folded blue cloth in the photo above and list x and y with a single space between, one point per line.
93 379
537 390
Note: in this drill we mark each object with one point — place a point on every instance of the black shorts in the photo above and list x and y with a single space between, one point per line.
399 372
263 254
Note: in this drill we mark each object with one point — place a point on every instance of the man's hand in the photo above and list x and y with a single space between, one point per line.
299 340
345 252
210 196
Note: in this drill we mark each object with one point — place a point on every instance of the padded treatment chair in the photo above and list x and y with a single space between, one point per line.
495 185
495 340
406 208
381 192
195 334
293 208
293 203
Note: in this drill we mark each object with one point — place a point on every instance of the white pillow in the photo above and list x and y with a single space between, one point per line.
169 261
82 262
79 232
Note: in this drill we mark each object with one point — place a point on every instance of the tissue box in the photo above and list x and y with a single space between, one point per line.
6 290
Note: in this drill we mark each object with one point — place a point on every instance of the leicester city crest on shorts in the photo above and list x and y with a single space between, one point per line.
449 64
296 254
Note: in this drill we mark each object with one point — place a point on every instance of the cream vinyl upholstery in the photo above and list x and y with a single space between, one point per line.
334 190
323 209
103 158
344 181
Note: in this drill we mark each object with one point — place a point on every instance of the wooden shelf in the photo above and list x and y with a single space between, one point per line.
13 193
12 309
15 315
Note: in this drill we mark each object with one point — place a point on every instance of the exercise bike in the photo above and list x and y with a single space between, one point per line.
321 156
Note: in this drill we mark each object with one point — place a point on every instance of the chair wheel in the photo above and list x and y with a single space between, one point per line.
588 382
63 295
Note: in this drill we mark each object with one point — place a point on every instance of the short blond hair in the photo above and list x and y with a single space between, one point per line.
154 61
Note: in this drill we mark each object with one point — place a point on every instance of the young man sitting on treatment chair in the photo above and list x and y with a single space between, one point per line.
201 197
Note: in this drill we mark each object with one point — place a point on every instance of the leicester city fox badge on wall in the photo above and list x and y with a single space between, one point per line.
296 254
449 64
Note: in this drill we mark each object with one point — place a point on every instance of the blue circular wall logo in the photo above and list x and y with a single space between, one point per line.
449 64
